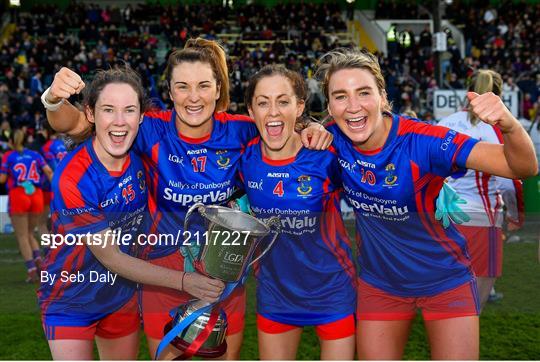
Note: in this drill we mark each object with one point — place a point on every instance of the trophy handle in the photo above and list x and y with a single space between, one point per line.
276 223
199 206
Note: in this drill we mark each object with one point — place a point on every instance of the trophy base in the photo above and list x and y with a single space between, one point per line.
182 345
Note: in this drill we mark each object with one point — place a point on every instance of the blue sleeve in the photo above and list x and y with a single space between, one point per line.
442 151
150 132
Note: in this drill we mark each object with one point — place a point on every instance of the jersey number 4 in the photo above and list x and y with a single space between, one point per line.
278 190
32 175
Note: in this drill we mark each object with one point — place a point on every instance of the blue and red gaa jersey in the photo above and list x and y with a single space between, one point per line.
308 277
89 199
403 250
53 151
25 166
183 171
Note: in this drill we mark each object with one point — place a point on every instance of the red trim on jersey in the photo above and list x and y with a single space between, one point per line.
162 115
73 262
432 192
326 185
499 134
426 208
329 230
330 123
241 175
224 117
482 184
47 146
152 200
407 126
518 187
127 162
193 140
459 140
368 152
282 162
254 141
72 174
332 149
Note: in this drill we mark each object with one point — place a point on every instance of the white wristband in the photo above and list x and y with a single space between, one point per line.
53 107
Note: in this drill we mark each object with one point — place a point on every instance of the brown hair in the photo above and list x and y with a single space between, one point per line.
345 58
123 75
204 51
483 81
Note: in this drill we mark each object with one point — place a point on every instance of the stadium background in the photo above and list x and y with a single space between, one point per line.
39 37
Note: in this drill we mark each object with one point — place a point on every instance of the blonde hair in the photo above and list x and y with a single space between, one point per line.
344 58
483 81
204 51
18 140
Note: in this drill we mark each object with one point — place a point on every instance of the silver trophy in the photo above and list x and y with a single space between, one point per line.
226 251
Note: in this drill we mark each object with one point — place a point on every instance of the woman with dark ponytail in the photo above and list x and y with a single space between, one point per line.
22 169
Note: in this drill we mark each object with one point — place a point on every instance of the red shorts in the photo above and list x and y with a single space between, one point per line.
121 323
342 328
47 197
485 246
376 304
157 302
21 203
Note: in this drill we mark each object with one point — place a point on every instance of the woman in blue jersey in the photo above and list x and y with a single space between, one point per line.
23 170
308 277
88 289
393 169
191 154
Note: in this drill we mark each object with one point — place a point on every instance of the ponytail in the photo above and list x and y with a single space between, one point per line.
483 81
204 51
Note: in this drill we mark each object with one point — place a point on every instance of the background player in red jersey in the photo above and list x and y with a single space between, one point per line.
485 194
196 143
393 168
53 151
308 277
23 170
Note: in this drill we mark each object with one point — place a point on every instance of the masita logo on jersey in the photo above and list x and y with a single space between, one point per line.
124 181
278 174
210 198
